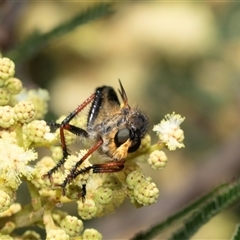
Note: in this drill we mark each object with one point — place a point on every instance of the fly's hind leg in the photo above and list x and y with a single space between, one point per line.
75 130
65 125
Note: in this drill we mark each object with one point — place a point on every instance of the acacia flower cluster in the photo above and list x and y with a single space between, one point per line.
23 130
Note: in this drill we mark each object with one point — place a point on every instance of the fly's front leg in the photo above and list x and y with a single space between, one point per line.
110 167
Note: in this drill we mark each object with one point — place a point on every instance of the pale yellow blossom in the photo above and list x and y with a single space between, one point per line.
169 131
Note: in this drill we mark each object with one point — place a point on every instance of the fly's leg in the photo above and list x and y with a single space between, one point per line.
72 174
110 167
64 125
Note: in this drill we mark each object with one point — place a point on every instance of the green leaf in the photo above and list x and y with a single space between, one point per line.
225 198
37 41
236 235
202 210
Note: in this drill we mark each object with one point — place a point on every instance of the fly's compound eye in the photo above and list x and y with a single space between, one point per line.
123 135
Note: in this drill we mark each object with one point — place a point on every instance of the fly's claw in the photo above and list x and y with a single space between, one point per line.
48 175
62 186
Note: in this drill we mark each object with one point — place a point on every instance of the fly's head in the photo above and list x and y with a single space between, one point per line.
133 131
134 127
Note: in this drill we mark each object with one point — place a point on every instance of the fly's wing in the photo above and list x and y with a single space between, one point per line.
105 103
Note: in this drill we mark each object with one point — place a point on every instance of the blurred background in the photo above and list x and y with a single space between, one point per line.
170 56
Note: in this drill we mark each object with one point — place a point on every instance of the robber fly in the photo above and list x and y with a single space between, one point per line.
116 129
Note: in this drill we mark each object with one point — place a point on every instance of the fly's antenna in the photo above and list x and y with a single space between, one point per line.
123 95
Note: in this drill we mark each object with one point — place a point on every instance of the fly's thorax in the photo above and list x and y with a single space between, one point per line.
107 125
